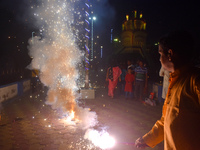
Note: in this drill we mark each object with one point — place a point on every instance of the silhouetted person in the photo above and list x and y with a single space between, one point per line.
123 82
140 80
129 84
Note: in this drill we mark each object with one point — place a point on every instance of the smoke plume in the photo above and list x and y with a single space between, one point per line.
56 56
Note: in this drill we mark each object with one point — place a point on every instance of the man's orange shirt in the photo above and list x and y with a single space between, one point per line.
179 125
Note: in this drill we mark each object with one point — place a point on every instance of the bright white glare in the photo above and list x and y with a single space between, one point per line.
71 118
68 121
94 18
100 139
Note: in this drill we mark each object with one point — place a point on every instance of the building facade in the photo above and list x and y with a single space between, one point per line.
133 36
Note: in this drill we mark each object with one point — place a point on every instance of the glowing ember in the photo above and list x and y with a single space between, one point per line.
100 139
72 115
70 119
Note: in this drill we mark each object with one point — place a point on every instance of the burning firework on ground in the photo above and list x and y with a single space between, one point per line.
56 56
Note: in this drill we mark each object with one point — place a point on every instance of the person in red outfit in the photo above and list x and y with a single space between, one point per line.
113 75
129 78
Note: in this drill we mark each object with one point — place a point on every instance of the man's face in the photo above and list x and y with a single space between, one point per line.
140 63
129 71
164 59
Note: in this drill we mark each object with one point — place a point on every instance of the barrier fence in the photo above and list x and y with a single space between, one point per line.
14 89
19 88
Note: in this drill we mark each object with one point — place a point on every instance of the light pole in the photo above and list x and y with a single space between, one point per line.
87 93
32 37
87 50
92 39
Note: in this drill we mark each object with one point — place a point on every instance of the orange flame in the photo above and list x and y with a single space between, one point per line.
72 114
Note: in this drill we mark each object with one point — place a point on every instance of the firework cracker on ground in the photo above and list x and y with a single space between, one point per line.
56 56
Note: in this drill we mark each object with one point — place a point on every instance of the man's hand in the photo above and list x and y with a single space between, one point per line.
139 143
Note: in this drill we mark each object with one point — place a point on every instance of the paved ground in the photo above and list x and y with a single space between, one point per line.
27 123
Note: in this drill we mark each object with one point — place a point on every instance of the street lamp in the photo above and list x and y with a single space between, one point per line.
92 39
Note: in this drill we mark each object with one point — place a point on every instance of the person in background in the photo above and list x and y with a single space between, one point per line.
129 84
123 82
165 74
130 66
112 76
140 80
179 125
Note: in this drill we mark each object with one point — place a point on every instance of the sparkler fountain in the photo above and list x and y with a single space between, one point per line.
56 57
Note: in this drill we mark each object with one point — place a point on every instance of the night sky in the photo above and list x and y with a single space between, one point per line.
15 31
161 17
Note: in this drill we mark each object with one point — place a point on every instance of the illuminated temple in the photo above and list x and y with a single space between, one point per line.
133 36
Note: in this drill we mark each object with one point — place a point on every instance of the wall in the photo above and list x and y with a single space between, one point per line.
14 89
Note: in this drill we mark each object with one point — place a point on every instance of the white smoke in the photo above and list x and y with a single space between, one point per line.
56 56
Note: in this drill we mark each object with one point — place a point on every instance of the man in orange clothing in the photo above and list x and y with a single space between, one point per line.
179 125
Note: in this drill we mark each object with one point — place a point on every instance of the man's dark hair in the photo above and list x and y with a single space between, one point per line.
181 42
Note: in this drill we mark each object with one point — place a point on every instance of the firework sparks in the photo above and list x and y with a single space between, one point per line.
71 119
56 56
101 139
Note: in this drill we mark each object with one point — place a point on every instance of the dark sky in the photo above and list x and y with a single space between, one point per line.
15 26
162 16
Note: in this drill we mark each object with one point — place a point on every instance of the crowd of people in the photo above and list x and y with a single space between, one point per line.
131 78
179 123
